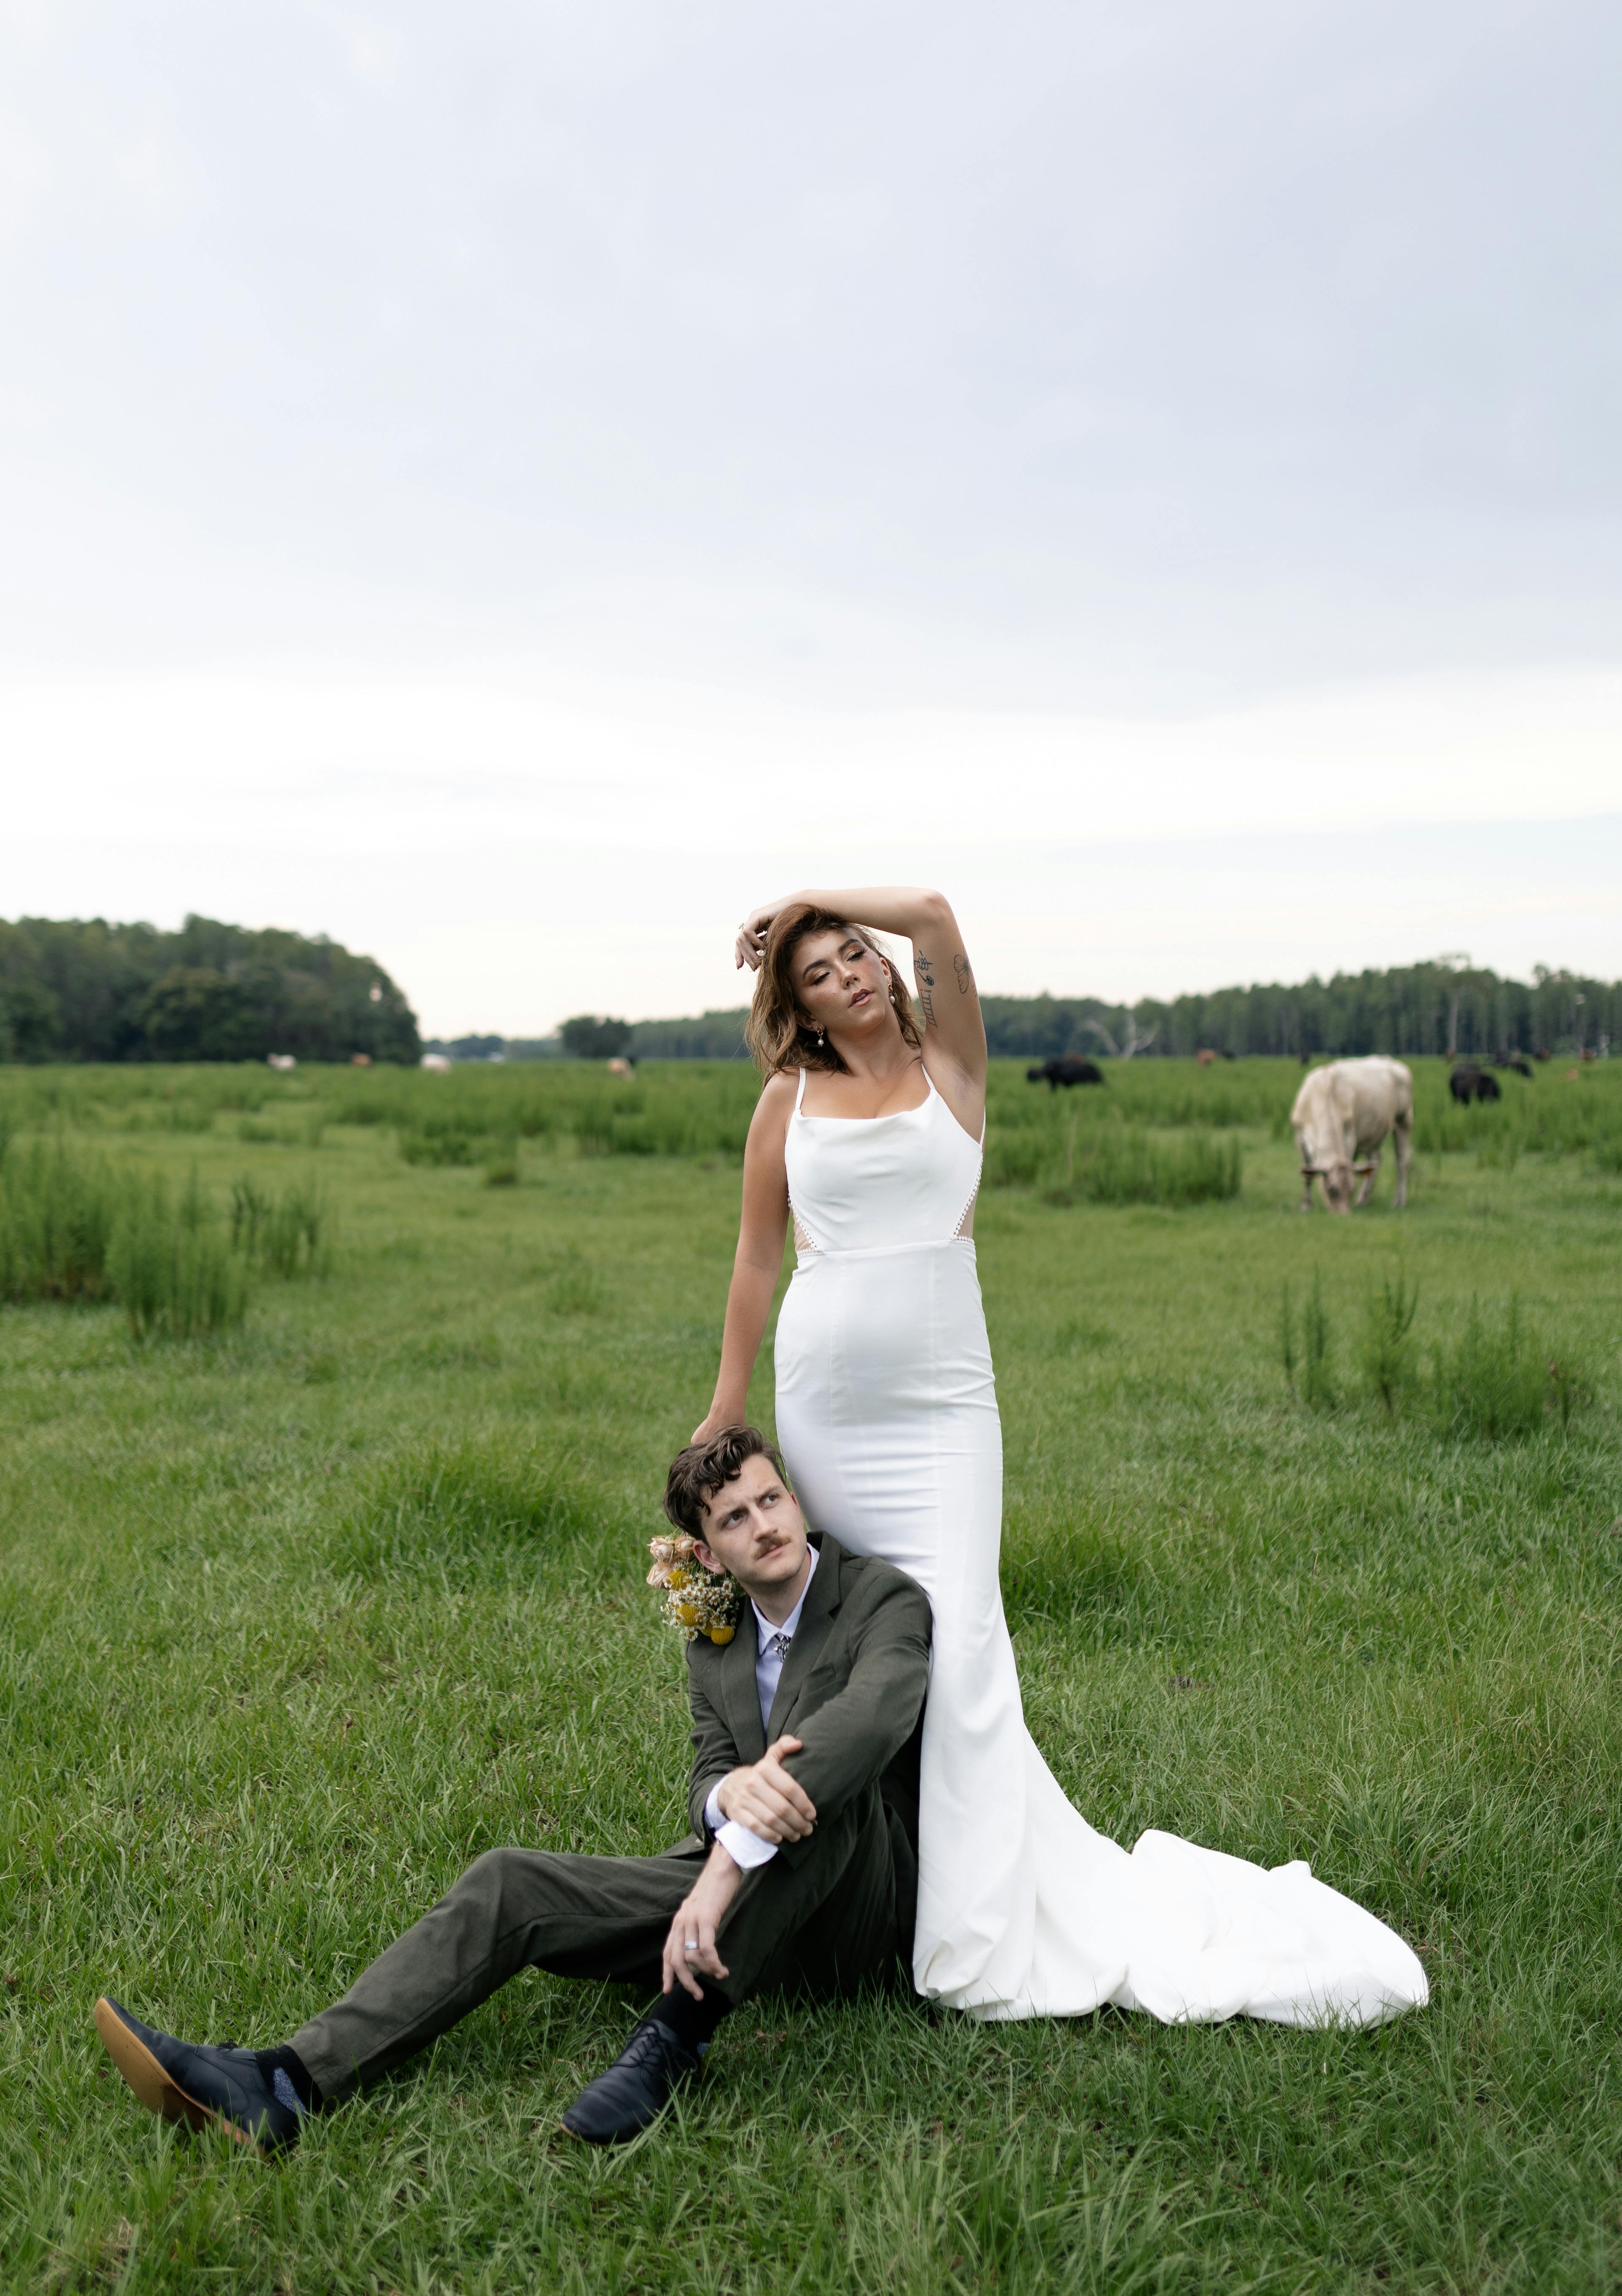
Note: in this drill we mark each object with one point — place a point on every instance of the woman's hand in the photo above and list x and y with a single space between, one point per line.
713 1422
750 945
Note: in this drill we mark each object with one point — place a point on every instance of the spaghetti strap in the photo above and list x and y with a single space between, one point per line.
801 1095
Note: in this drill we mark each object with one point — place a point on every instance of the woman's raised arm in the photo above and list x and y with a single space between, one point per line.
760 1257
947 994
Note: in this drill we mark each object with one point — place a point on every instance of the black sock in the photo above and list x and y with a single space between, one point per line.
693 2022
286 2060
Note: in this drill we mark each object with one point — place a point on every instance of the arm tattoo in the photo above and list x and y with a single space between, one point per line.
926 987
965 977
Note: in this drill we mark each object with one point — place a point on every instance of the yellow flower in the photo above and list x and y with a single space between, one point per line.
722 1634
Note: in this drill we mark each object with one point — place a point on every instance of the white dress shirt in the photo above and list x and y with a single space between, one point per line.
743 1847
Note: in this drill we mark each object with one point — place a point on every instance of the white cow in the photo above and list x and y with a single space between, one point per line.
1342 1116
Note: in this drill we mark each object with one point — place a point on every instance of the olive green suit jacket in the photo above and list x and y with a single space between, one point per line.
852 1689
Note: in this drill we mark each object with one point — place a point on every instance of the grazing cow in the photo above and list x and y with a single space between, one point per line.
1468 1083
1516 1061
1065 1067
283 1061
436 1064
1204 1058
620 1068
1344 1114
360 1059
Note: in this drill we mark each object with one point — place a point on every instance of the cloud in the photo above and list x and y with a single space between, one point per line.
452 462
516 847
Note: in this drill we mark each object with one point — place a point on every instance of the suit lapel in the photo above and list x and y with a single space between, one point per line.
740 1697
816 1625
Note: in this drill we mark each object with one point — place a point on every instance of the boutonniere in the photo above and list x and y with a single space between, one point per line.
697 1601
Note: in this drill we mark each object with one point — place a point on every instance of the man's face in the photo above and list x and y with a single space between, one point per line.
753 1527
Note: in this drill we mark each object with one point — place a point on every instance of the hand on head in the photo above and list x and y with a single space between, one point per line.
750 944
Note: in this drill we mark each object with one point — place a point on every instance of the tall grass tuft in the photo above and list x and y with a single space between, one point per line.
419 1145
1494 1380
1122 1167
1318 1389
1389 1350
290 1234
468 1509
57 1212
501 1163
171 1265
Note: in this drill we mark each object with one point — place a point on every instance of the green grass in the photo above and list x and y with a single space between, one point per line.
297 1619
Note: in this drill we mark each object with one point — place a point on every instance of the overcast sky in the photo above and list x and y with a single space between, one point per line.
509 486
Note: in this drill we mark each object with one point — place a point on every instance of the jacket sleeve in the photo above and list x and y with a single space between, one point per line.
715 1751
852 1740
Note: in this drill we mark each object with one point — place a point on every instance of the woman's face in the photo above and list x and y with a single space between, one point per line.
840 983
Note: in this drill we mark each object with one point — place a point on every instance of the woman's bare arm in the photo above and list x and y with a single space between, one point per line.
946 993
760 1257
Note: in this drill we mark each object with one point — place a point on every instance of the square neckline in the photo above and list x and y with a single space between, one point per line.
889 1116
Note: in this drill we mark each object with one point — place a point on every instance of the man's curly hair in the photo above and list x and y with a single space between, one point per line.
698 1471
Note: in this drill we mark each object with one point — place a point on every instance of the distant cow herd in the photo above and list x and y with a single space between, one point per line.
1344 1114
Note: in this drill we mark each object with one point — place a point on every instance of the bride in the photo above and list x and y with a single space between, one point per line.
868 1135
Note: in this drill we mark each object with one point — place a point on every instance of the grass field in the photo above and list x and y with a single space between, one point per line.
296 1620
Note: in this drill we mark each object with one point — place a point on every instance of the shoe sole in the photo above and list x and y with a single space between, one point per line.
159 2091
629 2136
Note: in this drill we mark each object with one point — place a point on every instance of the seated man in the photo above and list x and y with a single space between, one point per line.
802 1873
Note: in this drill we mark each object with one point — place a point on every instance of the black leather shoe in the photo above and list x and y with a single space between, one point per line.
206 2088
635 2089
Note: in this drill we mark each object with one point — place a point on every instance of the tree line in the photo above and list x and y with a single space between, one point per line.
95 991
92 991
1416 1008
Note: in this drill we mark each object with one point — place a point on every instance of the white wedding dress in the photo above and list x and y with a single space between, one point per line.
886 1414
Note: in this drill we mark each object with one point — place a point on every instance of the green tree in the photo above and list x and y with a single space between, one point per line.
29 1017
87 991
588 1038
196 1013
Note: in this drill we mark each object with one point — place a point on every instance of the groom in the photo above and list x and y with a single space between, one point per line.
800 1874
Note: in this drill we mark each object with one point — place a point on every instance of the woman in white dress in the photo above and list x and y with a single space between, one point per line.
868 1135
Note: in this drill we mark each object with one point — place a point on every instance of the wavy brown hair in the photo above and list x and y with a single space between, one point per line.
776 1036
700 1470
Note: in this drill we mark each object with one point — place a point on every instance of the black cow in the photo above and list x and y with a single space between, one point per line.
1516 1061
1469 1083
1065 1067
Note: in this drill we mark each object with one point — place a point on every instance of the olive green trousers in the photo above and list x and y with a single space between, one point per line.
819 1919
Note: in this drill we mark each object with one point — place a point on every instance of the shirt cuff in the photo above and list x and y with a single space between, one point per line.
742 1847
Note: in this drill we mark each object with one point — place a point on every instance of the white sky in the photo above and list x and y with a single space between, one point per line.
509 486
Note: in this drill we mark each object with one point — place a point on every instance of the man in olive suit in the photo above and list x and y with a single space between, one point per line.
800 1873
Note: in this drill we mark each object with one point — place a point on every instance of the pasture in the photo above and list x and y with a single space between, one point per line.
300 1612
